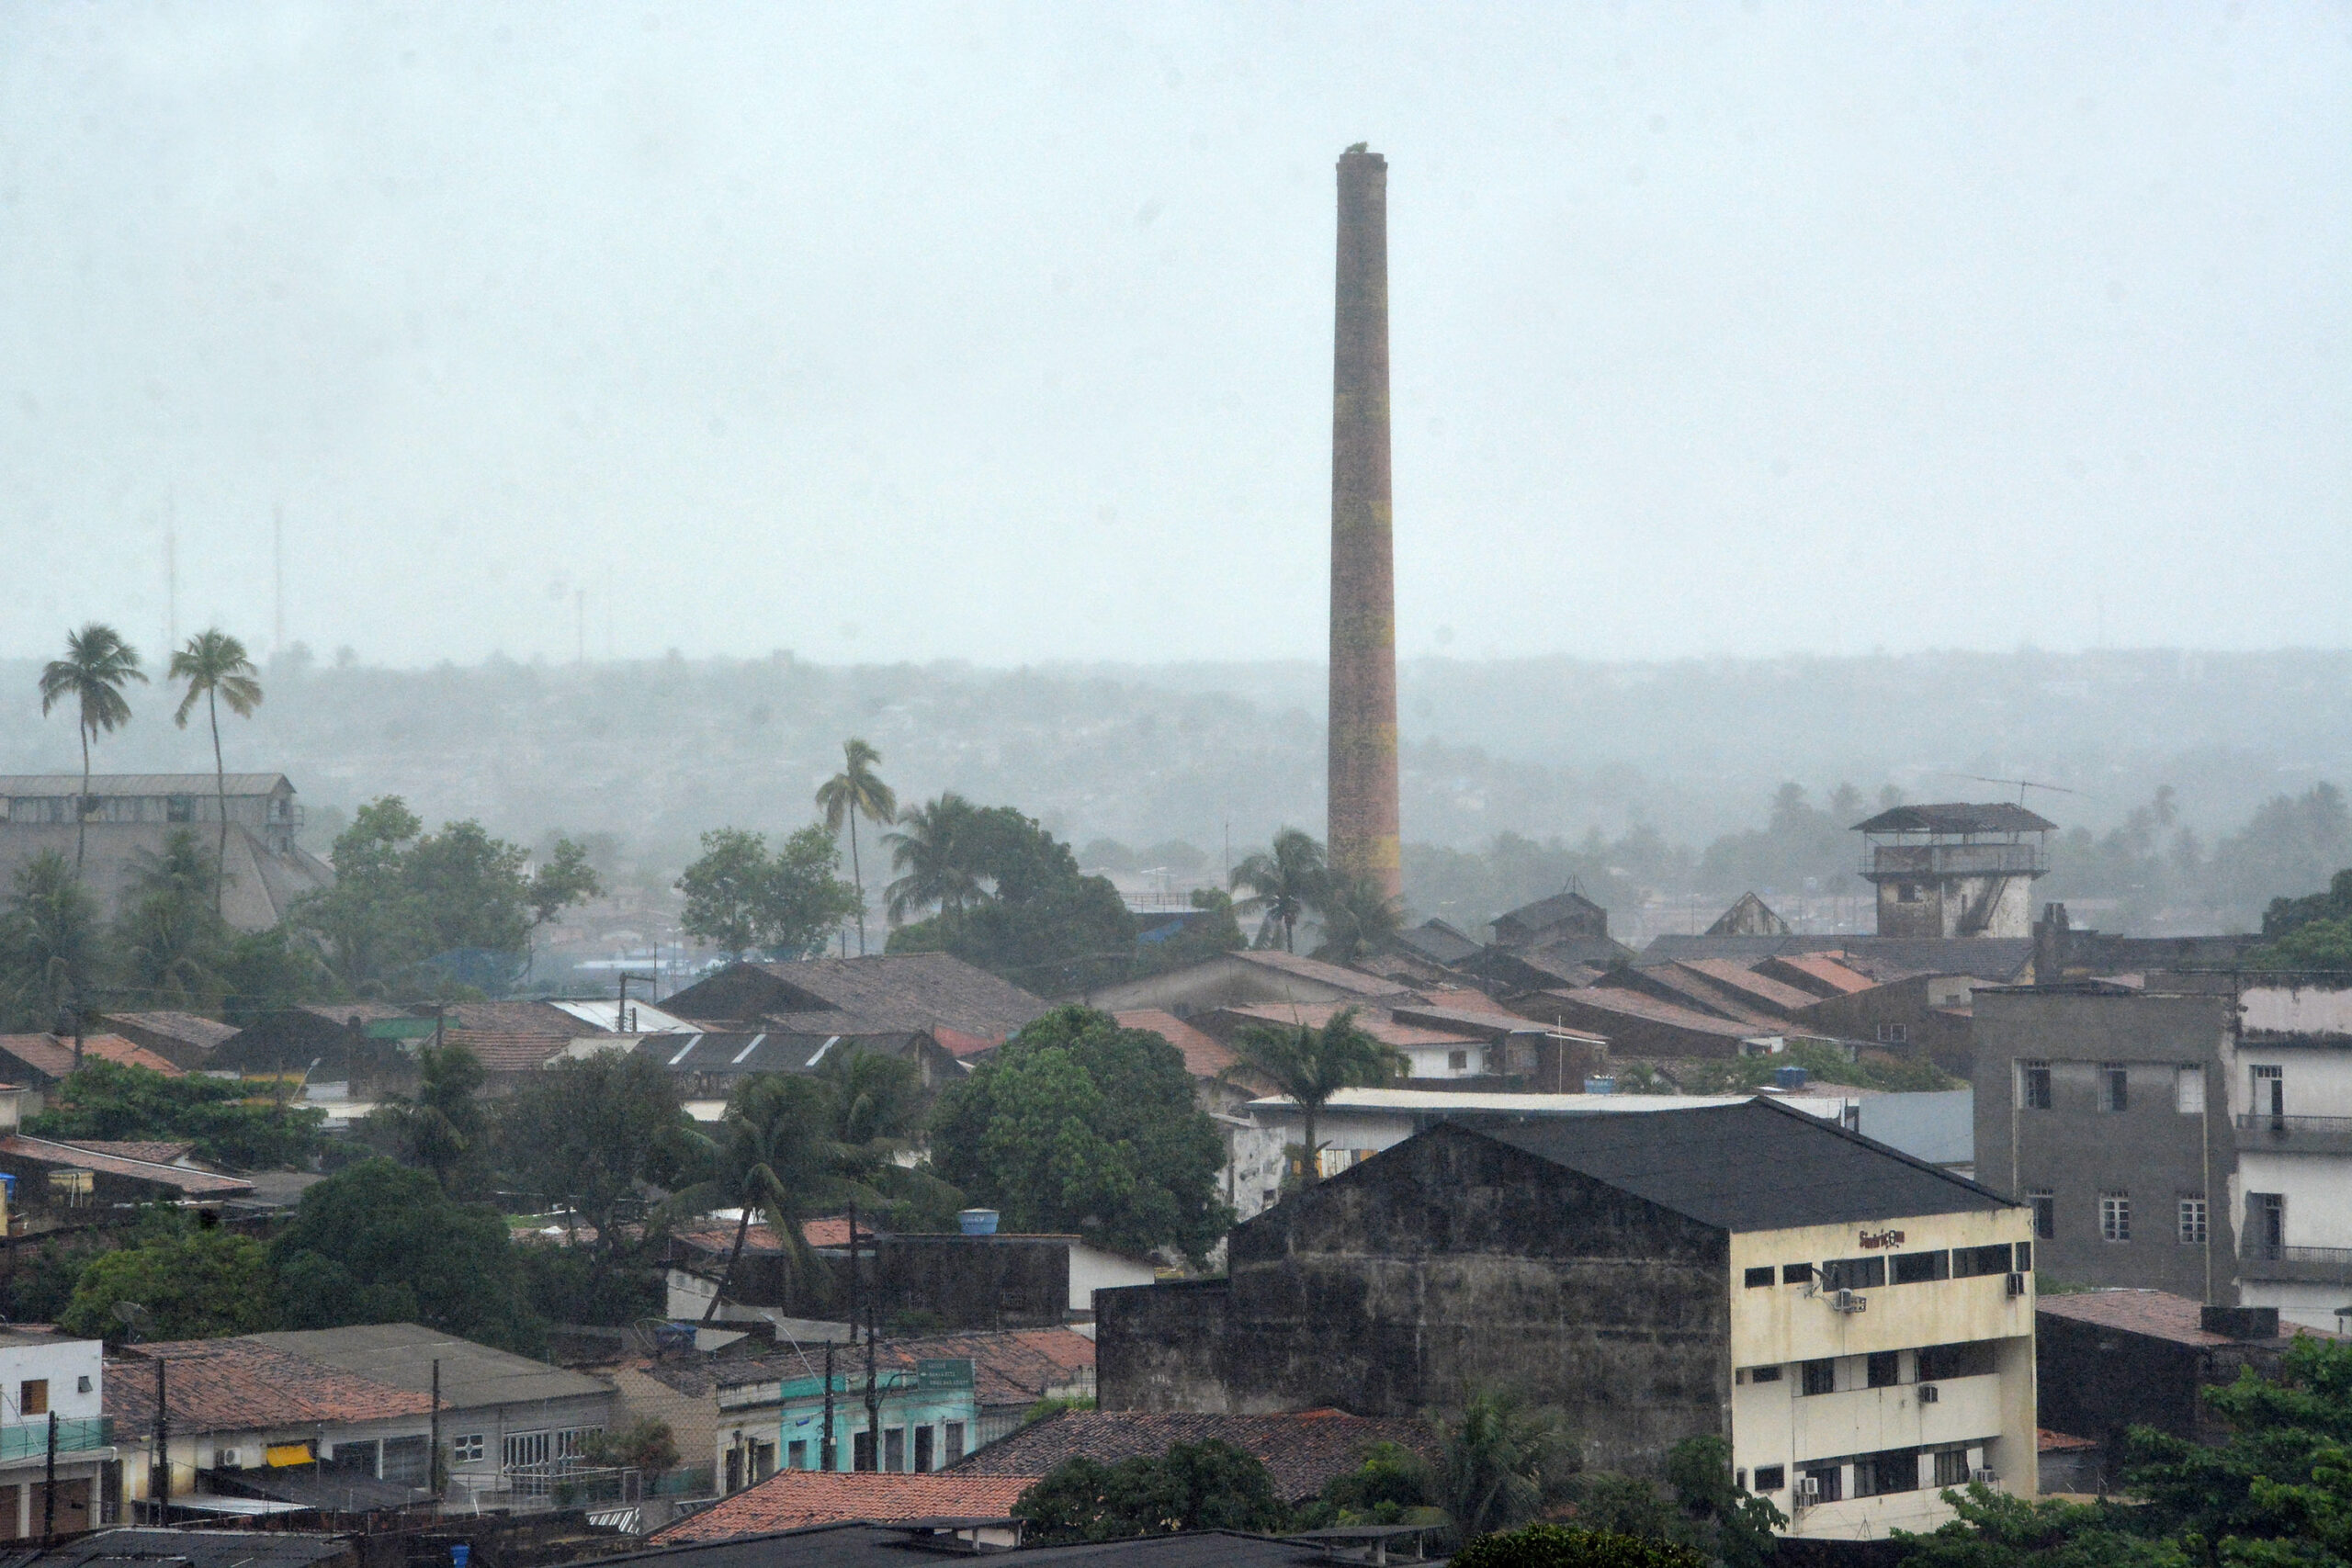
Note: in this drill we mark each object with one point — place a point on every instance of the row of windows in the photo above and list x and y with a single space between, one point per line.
2036 1089
2190 1218
1883 1369
1875 1475
1902 1268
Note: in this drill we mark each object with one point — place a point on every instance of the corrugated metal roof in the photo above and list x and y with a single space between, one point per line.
1958 816
141 784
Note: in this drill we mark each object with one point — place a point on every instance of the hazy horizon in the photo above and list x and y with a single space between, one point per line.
1002 336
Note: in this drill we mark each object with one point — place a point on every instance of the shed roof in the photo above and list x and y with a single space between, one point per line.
200 1031
1751 1167
141 784
1958 816
53 1057
181 1549
2157 1314
99 1161
1338 976
792 1498
243 1385
402 1356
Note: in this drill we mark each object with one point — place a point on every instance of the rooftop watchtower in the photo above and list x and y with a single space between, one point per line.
1955 870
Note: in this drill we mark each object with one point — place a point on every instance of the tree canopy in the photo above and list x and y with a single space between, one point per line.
1208 1486
1079 1125
740 898
1007 897
195 1282
228 1124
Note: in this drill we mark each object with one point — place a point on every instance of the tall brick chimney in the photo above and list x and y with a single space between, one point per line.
1362 831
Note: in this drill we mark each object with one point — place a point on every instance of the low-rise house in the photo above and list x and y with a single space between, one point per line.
53 1390
938 1397
885 996
1857 1324
187 1040
1639 1024
357 1400
1303 1450
55 1182
2112 1359
1246 977
795 1499
38 1063
708 1065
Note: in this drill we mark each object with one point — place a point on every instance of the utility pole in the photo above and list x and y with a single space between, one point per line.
433 1464
159 1484
826 1458
873 1391
49 1485
852 1273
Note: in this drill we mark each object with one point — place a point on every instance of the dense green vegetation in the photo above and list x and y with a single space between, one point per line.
1823 1063
226 1122
1209 1486
2310 933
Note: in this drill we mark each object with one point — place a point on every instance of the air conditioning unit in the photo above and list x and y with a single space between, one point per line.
1984 1477
2017 1284
1807 1491
1927 1395
1847 1301
227 1458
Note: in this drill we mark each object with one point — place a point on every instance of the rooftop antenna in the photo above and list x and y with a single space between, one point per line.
2023 784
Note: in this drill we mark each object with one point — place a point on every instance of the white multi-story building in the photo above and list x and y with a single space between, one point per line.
51 1393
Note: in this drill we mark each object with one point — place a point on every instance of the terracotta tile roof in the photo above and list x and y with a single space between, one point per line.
237 1385
2159 1315
1828 970
957 1043
153 1153
1315 970
793 1498
759 1239
1634 1004
504 1053
1378 1022
53 1057
1463 998
1732 975
512 1019
832 1231
1303 1450
81 1157
2049 1442
1204 1057
344 1012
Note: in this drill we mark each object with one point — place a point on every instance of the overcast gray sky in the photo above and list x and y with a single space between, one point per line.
1002 332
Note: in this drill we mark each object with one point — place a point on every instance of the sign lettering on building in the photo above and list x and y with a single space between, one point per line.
1882 1239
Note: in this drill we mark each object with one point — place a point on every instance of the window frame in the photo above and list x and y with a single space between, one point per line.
2193 1221
2042 1202
2114 1088
2189 1085
2115 1218
2035 1089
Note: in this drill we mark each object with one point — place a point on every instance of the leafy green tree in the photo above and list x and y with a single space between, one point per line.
49 943
1011 899
1995 1529
1393 1485
1823 1061
96 666
740 898
592 1135
214 666
1078 1125
200 1284
1310 1065
378 1243
268 970
857 791
107 1100
1359 920
2313 932
441 1126
1560 1545
1739 1528
1209 1486
1284 883
648 1445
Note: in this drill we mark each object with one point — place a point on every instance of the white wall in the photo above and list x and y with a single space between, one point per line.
1092 1269
66 1364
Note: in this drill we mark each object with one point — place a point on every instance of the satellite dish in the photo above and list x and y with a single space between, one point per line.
132 1313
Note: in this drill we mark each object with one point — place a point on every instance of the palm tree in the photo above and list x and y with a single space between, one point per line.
852 792
777 1151
935 847
1284 884
96 666
1310 1065
169 933
1359 920
49 937
1497 1460
215 667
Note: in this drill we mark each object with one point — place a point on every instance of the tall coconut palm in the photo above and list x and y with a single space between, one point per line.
854 792
49 937
96 666
1284 883
934 847
1359 920
215 667
1309 1066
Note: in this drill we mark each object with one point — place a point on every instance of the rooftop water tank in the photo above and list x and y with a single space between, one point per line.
1788 1077
1600 1086
977 1222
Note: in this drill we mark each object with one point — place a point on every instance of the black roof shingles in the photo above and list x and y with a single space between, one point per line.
1749 1166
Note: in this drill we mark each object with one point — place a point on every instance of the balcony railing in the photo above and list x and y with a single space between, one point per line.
76 1434
2324 1264
2258 1130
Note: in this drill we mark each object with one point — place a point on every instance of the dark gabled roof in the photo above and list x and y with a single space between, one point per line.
1751 1167
757 1051
1958 816
1550 911
1438 943
1980 957
894 993
181 1549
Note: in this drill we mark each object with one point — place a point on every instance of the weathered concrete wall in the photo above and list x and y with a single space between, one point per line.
1163 1347
972 1282
1447 1264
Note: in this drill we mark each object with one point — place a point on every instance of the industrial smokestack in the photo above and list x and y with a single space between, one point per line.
1362 829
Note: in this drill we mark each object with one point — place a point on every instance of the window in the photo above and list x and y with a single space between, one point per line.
1458 1061
1764 1374
1895 1035
2025 1258
1885 1369
861 1451
2192 1221
2115 1216
763 1460
894 1448
1826 1479
1759 1276
2269 1091
2045 1204
1968 1262
1952 1467
1771 1477
1821 1377
528 1448
2266 1228
406 1460
468 1450
2033 1085
2114 1086
1876 1475
925 1450
1853 1274
1906 892
1922 1268
795 1454
32 1397
952 1441
2189 1091
179 808
1968 1358
1796 1274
